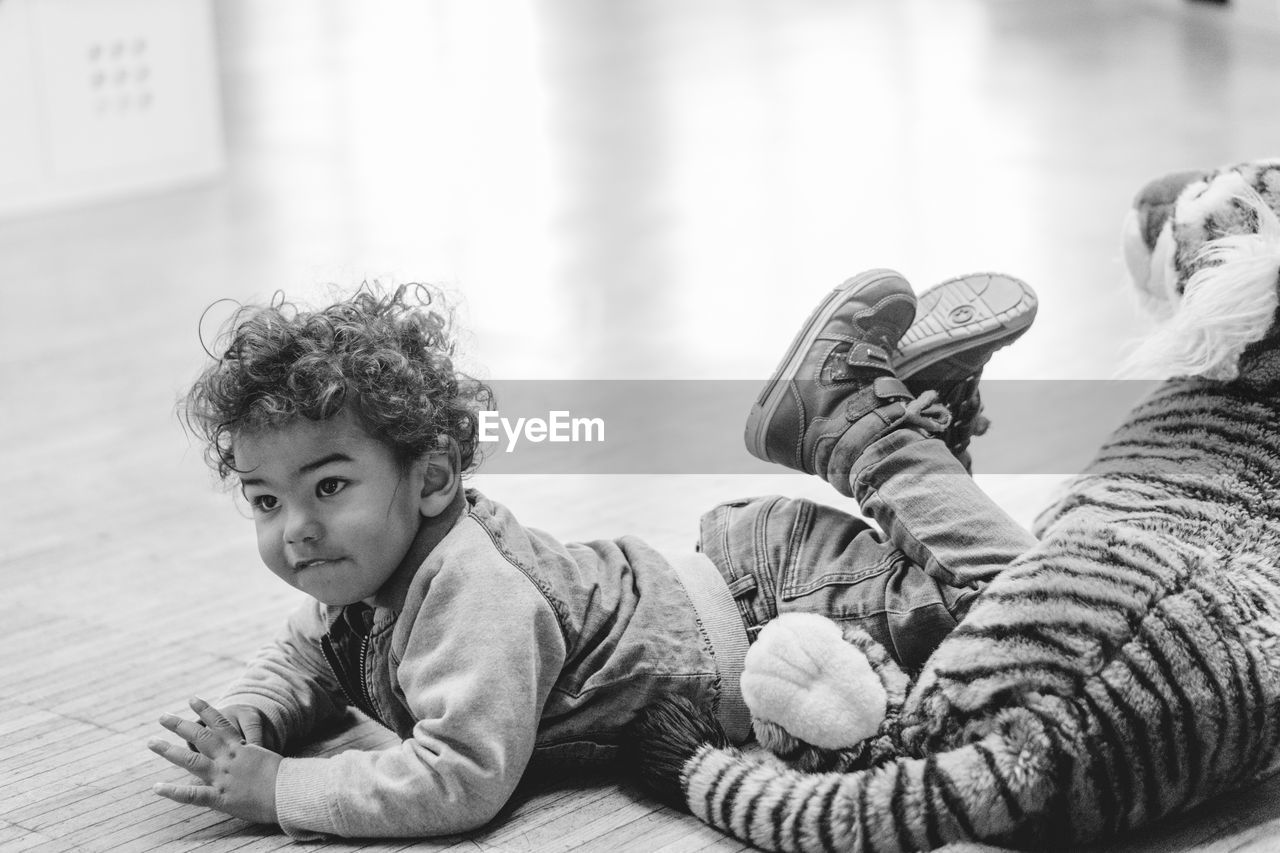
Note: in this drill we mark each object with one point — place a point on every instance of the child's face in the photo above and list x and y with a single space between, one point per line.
336 513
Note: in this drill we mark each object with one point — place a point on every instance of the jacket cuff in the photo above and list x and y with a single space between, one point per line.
302 801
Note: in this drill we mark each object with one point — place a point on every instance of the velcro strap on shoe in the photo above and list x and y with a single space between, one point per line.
884 389
891 388
863 354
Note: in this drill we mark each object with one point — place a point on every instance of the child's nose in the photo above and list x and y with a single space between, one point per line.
302 527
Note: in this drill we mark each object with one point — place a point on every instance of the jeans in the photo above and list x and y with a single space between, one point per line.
941 541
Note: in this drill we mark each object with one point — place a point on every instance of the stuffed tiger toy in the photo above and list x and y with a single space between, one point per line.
1126 668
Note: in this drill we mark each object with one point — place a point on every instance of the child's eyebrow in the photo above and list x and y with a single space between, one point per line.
305 469
323 461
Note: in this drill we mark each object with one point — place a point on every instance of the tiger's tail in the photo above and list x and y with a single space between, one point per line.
988 790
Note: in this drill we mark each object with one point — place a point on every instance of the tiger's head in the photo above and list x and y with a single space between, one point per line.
1203 251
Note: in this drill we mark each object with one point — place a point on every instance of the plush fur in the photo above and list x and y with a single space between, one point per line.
802 674
1208 270
1127 667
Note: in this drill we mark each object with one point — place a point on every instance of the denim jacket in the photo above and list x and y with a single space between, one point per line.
511 647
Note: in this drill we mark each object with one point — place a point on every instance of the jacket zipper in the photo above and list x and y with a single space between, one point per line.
353 685
339 671
360 677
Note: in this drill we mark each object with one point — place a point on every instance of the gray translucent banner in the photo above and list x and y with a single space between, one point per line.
696 426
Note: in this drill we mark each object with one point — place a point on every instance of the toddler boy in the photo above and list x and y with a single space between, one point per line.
487 645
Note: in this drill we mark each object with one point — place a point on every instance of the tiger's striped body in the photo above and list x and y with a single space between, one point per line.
1126 668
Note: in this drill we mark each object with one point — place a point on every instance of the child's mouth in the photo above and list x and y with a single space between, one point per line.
309 564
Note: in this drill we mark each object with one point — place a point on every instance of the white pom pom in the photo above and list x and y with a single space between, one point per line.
801 674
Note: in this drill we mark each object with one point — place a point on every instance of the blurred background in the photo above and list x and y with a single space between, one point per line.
632 189
640 189
635 189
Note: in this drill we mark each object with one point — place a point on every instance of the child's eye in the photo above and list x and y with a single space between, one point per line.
330 486
263 503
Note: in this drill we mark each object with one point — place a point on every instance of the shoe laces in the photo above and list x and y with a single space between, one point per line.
928 413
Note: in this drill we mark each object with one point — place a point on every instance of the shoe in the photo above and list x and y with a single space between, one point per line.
835 389
959 324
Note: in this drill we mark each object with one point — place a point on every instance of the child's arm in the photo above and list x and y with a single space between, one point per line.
287 690
483 654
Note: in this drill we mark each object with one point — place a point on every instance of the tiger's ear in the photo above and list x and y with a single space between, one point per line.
1148 241
1228 303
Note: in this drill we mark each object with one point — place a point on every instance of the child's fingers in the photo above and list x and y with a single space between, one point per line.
195 795
214 719
192 733
192 762
250 724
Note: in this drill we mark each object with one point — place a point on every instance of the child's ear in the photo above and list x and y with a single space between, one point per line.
439 472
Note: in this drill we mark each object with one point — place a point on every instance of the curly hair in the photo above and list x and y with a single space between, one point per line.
386 356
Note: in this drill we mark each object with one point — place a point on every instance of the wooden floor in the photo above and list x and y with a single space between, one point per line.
631 189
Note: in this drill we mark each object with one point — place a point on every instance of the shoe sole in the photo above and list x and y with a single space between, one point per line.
775 391
963 313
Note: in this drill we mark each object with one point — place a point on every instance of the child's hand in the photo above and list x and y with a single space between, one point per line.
239 778
252 725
